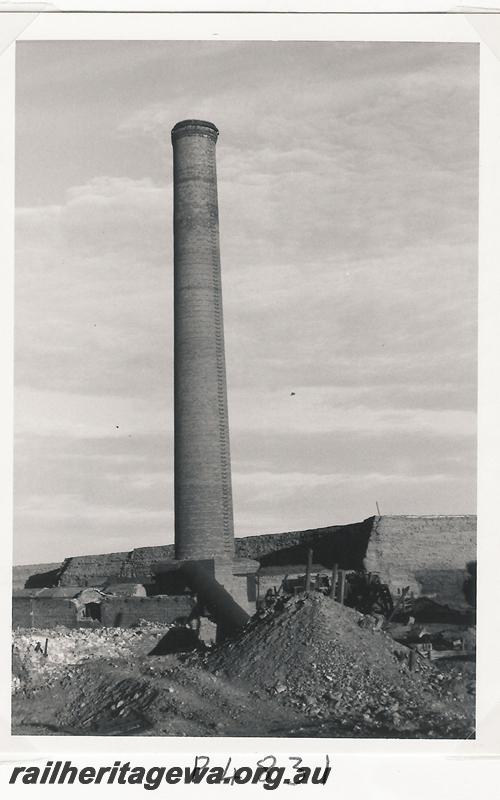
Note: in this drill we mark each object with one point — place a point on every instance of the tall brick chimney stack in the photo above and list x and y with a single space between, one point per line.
203 496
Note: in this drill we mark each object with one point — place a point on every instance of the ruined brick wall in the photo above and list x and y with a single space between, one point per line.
429 554
21 617
21 575
97 570
93 570
344 545
143 558
43 612
127 611
256 547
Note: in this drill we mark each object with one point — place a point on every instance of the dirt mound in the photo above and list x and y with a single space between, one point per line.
108 707
338 666
151 696
312 669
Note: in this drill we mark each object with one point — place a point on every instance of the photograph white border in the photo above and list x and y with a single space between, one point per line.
484 29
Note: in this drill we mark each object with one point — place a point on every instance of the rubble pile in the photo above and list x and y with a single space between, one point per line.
37 653
308 667
144 696
339 667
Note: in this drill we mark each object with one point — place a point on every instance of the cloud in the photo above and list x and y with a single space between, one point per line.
348 209
315 410
93 492
269 502
93 291
84 416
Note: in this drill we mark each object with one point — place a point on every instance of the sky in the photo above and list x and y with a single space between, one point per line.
348 186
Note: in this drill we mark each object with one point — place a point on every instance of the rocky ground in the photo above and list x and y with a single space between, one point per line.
309 668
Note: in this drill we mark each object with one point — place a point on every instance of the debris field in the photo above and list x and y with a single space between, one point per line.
309 667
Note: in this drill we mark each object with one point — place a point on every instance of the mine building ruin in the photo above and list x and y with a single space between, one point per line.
429 554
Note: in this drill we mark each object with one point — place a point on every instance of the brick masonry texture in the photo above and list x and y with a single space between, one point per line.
203 496
96 570
427 553
124 612
43 612
93 570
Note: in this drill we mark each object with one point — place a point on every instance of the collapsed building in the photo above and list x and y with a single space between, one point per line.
74 606
428 554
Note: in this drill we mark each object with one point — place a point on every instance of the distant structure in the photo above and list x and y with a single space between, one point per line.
431 555
203 497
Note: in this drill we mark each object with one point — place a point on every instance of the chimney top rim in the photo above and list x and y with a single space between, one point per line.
190 125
